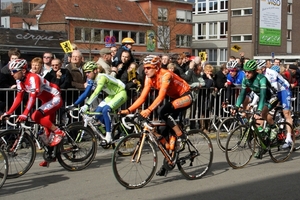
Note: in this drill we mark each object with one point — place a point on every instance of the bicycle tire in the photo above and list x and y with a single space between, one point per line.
224 129
199 163
240 147
3 167
129 173
21 161
77 155
276 152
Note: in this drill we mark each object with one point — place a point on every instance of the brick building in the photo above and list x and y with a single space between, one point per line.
155 26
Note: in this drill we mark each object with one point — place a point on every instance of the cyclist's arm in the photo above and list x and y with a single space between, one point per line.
142 98
17 102
86 92
262 93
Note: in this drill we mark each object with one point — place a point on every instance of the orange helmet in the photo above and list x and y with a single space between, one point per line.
127 41
152 60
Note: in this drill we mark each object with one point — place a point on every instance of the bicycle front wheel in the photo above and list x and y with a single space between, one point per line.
224 129
277 153
78 148
20 154
130 172
296 130
196 157
240 147
3 167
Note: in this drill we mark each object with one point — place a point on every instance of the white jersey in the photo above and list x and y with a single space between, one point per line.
277 81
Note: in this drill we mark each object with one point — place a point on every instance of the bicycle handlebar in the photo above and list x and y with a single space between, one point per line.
127 116
22 124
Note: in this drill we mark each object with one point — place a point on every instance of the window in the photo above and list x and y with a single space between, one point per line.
124 34
183 16
289 34
213 6
201 6
78 35
97 35
236 38
87 34
213 30
247 37
236 13
142 38
183 40
105 33
289 8
134 36
223 5
223 29
248 12
163 37
201 31
212 56
162 14
241 38
223 55
116 35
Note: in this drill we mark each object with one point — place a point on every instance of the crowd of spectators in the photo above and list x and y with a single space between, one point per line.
205 80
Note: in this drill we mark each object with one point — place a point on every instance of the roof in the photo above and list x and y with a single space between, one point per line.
113 10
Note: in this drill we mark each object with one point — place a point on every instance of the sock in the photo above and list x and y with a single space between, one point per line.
288 137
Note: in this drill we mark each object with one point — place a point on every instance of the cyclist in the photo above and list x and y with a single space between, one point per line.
282 86
37 87
168 84
111 86
259 84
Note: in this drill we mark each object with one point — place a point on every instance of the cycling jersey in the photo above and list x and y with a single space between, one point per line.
168 83
259 85
277 81
110 85
236 80
37 87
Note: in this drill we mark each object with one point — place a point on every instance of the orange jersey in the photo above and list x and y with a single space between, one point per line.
167 83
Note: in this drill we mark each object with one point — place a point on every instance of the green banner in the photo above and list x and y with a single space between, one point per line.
268 36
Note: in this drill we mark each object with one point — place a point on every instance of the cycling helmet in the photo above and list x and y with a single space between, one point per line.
152 60
276 68
232 64
17 65
250 65
89 66
127 41
261 64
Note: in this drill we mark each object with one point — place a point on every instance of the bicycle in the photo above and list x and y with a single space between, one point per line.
242 140
3 168
20 147
119 130
279 117
136 165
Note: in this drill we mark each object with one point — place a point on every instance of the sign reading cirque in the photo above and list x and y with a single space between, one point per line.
31 37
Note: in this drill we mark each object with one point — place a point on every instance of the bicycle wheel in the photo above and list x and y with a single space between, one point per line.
196 157
224 129
19 161
277 153
3 168
78 149
296 130
128 172
240 147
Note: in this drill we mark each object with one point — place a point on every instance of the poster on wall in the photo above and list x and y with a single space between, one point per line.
150 40
270 22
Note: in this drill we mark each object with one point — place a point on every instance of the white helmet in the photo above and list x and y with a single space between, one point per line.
232 64
17 65
261 64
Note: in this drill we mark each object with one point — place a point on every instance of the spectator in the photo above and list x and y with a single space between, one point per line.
114 69
123 67
126 46
47 57
165 60
61 77
105 61
75 68
268 63
67 56
36 67
181 61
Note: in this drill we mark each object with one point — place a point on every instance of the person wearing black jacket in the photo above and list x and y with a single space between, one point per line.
60 76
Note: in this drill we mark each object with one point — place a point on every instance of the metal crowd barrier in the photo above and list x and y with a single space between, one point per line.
206 106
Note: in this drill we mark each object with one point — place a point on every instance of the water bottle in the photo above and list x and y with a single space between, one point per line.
101 128
172 142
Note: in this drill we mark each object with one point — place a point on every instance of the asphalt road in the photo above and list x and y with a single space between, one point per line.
260 179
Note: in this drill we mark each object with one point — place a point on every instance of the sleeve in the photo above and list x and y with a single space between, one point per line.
100 84
35 82
86 92
142 98
16 103
262 93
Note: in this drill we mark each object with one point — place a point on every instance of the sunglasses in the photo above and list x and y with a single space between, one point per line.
55 65
14 71
147 68
47 57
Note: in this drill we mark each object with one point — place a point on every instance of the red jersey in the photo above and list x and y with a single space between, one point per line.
167 83
37 87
